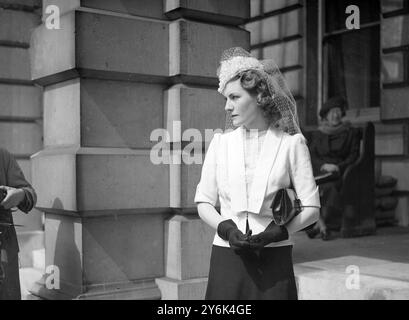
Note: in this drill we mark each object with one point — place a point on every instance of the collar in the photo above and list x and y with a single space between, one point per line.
236 169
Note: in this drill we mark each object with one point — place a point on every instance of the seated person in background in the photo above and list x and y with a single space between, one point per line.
333 147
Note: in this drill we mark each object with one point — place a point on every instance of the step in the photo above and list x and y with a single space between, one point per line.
29 242
28 277
352 278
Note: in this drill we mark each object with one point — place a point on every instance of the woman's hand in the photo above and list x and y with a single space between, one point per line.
273 233
13 198
329 167
227 230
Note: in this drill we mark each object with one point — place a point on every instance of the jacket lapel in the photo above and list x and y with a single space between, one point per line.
265 163
236 171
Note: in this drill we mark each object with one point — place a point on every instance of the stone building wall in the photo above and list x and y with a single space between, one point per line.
118 225
21 129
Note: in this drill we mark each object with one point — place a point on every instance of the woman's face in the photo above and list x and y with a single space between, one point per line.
334 116
242 106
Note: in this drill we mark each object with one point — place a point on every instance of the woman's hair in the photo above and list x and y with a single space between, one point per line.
255 85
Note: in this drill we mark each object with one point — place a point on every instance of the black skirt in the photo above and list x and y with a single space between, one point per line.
268 275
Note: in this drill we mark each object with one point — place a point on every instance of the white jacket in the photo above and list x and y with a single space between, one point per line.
282 157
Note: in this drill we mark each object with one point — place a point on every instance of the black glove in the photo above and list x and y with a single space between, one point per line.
227 230
273 233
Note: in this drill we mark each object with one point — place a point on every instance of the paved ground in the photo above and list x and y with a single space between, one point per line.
379 265
389 243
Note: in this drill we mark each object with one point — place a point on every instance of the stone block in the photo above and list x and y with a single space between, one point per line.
54 179
21 138
123 248
195 48
52 51
394 104
121 181
99 179
200 112
29 241
120 114
188 246
255 8
197 108
394 31
193 289
16 26
190 177
391 139
64 252
21 5
218 11
62 114
391 6
276 27
392 69
145 8
114 47
100 113
398 169
285 54
395 168
278 4
26 3
184 177
202 109
94 262
110 43
25 165
14 63
20 101
32 221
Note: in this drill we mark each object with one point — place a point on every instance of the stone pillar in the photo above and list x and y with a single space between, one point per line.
20 108
195 51
113 73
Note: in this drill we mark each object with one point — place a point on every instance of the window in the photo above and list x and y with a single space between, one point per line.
351 58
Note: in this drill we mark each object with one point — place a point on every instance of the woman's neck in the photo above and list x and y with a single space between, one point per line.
261 125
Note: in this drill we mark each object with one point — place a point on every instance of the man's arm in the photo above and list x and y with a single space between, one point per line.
16 180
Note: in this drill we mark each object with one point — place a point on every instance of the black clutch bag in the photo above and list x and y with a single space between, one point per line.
285 206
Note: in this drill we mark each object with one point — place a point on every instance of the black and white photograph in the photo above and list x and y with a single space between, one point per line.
198 153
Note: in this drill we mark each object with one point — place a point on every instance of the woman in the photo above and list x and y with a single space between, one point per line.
15 191
334 146
243 169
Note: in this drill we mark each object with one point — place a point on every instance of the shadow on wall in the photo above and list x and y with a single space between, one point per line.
62 278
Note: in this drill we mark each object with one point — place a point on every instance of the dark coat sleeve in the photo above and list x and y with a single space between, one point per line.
316 160
353 153
15 178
